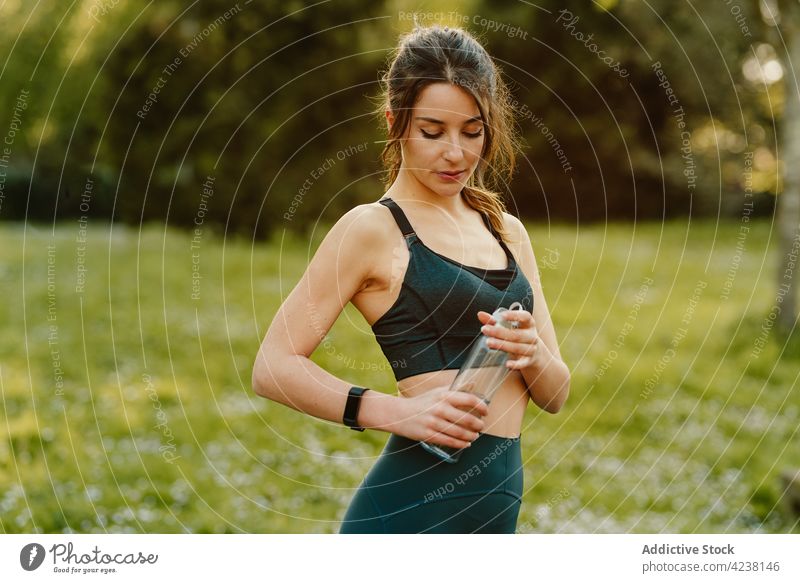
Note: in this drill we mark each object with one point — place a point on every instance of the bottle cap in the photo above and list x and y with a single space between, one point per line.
499 316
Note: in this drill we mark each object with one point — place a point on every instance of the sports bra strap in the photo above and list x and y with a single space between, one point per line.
489 226
399 216
408 231
497 236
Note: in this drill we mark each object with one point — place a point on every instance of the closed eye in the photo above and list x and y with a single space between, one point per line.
425 134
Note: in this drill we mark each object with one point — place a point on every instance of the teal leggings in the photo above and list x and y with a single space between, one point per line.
410 490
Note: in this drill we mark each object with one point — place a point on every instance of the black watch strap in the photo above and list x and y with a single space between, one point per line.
352 406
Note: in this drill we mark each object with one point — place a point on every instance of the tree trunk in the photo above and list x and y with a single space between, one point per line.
791 490
788 218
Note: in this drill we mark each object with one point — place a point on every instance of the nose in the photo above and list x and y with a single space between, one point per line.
453 151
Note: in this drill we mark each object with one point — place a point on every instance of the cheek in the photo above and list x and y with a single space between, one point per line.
421 150
474 151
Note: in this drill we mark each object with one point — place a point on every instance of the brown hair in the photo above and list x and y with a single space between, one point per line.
436 54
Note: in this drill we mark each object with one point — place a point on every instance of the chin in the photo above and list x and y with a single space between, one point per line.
448 192
446 189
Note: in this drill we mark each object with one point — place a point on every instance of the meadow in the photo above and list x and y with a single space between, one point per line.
126 358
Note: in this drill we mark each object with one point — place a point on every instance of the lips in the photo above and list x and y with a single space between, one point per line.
451 175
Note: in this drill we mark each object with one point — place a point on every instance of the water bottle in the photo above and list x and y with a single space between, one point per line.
482 373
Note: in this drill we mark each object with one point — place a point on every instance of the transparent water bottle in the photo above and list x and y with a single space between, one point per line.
482 373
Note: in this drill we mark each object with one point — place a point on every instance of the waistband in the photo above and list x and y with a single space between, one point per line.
482 442
408 474
405 459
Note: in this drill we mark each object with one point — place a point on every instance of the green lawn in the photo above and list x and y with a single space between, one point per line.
674 423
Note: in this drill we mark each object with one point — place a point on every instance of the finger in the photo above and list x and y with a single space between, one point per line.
465 419
520 348
466 400
519 363
446 440
452 434
519 315
513 334
464 415
486 317
523 318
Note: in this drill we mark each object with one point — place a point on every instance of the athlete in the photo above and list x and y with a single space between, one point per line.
426 265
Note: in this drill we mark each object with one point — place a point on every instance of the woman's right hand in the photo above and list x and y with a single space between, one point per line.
442 416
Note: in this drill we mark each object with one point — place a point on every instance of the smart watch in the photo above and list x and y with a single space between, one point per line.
352 406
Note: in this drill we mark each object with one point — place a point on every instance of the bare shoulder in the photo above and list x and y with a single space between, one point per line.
359 240
517 232
512 222
362 226
519 242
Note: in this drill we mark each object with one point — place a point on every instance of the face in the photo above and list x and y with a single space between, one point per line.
444 140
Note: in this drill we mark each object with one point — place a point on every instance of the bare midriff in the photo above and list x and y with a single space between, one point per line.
506 409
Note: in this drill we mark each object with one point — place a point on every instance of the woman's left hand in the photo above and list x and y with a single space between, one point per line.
521 343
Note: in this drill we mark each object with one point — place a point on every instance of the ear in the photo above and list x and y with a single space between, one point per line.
389 118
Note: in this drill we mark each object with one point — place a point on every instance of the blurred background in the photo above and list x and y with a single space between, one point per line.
168 168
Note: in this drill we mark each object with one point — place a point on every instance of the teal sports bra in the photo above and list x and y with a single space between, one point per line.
434 321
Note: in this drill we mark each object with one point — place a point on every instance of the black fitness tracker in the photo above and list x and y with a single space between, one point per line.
351 408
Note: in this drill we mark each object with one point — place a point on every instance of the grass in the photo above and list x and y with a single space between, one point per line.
674 422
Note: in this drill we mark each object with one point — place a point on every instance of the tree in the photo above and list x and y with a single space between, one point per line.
786 22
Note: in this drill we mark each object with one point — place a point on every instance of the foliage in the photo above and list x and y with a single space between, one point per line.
274 101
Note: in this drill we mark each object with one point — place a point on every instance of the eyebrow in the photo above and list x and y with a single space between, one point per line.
434 120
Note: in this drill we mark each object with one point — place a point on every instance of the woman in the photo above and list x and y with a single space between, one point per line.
426 265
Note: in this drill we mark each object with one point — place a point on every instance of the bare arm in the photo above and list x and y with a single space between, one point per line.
548 378
283 371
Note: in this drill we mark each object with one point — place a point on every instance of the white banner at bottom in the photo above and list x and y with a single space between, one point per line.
401 558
